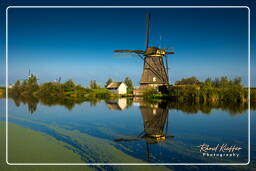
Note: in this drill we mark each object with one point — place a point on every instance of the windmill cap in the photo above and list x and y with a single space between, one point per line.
151 50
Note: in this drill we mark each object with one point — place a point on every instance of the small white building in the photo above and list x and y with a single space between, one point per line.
117 87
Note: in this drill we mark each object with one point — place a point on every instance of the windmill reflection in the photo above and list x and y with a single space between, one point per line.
155 118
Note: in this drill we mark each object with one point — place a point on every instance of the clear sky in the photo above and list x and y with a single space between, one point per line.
78 44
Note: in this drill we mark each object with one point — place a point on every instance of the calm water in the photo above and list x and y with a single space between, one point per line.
146 132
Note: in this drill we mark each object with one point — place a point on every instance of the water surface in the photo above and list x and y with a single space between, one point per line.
122 131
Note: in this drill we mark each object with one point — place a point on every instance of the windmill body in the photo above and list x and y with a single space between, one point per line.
155 71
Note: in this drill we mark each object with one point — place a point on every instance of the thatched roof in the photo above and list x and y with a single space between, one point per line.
114 84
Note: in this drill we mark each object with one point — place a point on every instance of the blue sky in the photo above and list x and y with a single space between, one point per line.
78 44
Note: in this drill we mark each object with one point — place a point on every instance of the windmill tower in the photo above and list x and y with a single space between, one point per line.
155 71
29 74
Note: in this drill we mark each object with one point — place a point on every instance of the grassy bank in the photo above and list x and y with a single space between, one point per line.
26 145
220 91
23 147
192 95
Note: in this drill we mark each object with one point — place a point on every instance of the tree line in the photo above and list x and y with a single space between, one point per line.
56 93
223 81
218 90
57 90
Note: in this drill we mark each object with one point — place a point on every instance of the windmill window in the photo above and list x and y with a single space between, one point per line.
154 79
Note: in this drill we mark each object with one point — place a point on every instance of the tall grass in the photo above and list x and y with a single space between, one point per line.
219 91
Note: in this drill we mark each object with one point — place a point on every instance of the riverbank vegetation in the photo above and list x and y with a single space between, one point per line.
55 93
2 91
219 90
187 91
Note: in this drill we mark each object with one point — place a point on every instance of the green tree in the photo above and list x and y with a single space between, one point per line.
237 81
17 84
224 81
28 87
108 82
32 83
16 89
208 82
94 85
216 82
128 82
188 81
69 85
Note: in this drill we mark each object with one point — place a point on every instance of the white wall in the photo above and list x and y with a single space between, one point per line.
122 89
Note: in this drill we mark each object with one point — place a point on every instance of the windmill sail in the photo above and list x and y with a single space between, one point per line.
155 71
148 30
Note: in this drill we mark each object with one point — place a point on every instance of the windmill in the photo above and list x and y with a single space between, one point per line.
57 80
155 72
155 126
29 76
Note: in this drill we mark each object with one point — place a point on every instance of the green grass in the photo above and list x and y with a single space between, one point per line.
26 145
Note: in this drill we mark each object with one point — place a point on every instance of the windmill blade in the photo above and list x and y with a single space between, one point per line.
148 30
169 53
166 69
170 137
141 134
169 48
130 51
160 43
128 139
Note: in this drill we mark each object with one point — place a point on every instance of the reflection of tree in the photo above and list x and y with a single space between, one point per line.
93 102
17 101
30 101
193 108
129 102
32 106
68 103
33 101
186 107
